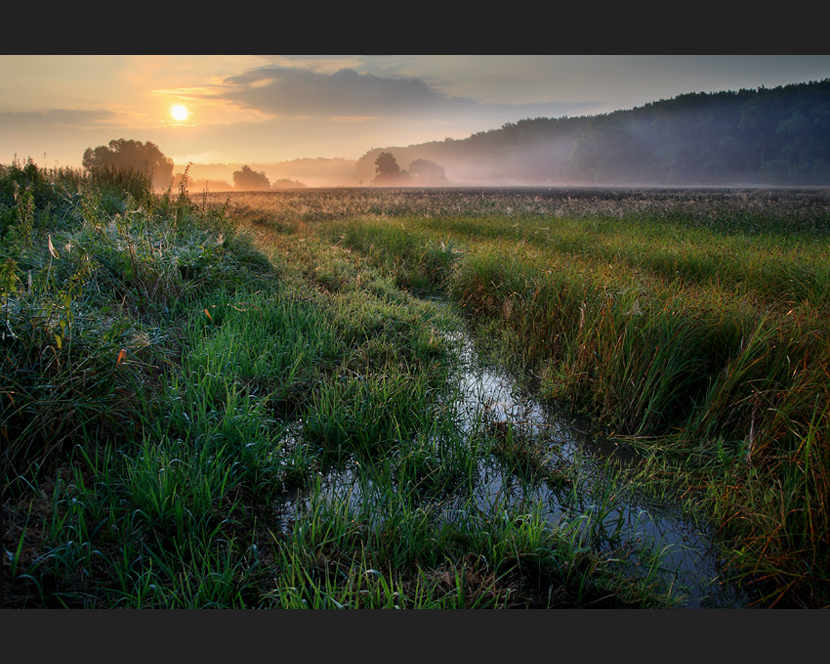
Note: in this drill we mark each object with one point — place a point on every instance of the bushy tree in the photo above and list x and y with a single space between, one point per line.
247 179
386 165
388 171
123 154
286 183
424 171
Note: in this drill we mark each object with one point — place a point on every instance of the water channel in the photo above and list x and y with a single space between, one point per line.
688 547
690 560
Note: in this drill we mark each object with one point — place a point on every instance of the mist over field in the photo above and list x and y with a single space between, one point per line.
778 136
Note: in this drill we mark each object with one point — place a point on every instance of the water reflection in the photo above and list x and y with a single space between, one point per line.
597 505
688 549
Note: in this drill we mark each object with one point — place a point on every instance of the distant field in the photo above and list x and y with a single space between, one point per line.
289 399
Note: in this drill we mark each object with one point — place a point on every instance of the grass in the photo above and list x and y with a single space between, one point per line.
254 402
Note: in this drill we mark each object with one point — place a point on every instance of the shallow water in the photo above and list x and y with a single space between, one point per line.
690 554
607 510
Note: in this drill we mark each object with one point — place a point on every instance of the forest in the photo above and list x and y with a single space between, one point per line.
765 136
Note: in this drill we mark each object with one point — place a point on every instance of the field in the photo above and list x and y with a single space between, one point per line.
287 399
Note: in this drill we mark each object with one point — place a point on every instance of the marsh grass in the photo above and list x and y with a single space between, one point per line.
249 402
691 327
372 546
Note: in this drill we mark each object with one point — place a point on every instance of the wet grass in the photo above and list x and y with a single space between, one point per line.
696 336
254 402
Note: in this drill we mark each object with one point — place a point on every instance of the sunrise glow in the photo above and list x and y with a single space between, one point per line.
221 111
179 113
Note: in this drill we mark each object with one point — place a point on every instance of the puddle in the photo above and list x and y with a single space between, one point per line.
488 394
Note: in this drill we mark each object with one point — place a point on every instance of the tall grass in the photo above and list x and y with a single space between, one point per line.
695 338
244 403
106 291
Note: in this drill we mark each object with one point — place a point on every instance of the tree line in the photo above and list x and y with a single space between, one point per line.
420 172
773 136
764 136
770 136
148 159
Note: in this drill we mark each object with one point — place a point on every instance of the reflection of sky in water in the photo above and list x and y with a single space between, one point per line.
685 546
487 394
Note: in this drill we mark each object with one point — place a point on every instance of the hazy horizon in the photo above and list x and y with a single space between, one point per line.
271 109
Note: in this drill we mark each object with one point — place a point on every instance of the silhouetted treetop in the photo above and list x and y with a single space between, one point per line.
387 165
424 171
247 179
388 171
134 155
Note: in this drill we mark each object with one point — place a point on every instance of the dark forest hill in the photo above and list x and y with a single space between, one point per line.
775 136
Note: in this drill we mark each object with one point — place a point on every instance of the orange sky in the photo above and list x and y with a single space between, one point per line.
262 108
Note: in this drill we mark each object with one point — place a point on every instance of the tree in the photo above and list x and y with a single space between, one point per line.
146 158
424 171
248 179
286 183
386 165
388 171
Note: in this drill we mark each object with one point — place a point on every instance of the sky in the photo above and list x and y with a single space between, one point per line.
269 108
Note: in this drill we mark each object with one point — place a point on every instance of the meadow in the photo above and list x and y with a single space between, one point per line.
257 400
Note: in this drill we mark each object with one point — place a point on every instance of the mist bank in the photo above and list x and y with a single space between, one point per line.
776 136
297 173
766 136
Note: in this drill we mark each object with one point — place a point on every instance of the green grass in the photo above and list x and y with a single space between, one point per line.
692 340
254 402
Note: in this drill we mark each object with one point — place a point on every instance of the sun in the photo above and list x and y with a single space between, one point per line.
179 113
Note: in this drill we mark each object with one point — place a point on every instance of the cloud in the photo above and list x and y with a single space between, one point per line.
345 93
58 118
62 133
